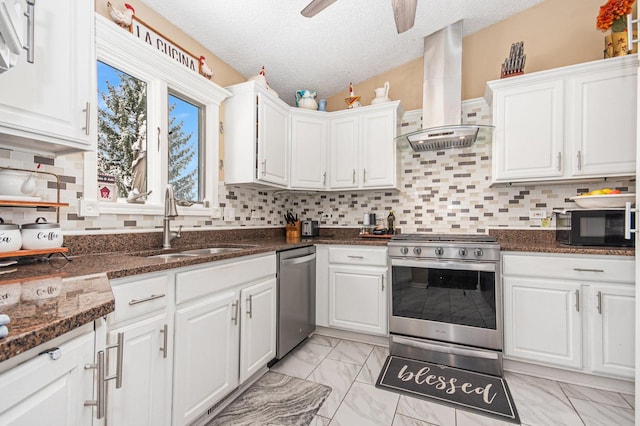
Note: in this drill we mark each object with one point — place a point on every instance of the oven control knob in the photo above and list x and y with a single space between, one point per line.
439 251
417 251
462 252
478 252
404 250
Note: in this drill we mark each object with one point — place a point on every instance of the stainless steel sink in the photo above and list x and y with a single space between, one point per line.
211 250
170 256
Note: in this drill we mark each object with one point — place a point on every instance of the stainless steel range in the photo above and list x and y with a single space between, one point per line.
446 300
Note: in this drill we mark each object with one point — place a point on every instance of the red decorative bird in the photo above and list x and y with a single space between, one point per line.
124 18
204 68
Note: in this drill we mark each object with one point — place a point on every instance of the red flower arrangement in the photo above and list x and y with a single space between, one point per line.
613 15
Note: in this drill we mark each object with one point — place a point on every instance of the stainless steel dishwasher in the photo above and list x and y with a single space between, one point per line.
296 297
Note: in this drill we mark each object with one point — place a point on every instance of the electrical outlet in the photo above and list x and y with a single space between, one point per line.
229 214
255 214
537 214
88 208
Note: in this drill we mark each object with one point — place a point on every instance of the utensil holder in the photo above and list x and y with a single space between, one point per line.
294 232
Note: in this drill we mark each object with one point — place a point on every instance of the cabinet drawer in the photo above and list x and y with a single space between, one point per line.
572 267
222 275
139 296
358 255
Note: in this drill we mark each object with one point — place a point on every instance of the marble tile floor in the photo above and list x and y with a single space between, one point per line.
351 369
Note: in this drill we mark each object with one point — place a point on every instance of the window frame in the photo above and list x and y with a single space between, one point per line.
119 49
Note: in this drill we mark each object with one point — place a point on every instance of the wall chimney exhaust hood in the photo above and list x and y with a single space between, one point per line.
441 95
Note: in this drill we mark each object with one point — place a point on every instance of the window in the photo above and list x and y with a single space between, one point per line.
157 125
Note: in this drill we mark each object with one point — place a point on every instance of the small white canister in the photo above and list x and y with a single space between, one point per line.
41 235
10 237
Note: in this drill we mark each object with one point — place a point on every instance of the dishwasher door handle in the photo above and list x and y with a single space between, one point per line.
298 260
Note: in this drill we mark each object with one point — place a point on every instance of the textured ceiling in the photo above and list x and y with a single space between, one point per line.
351 40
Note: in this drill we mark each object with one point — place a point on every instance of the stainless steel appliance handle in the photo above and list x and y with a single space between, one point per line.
250 306
600 302
31 16
577 300
445 264
100 401
445 349
587 270
165 338
234 317
298 260
146 299
627 221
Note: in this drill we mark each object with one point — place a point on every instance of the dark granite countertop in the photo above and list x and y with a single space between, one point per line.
48 299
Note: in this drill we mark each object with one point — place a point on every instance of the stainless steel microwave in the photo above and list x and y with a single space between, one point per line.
590 227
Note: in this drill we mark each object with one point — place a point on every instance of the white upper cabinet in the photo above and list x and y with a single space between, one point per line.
363 153
309 148
49 105
573 122
256 137
268 143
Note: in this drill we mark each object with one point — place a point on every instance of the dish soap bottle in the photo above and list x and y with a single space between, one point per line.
391 223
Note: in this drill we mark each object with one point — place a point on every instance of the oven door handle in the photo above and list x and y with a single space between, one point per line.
444 348
446 264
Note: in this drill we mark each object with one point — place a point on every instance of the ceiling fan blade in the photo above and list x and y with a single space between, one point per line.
404 12
315 7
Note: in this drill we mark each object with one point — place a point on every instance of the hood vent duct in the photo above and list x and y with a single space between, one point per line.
442 94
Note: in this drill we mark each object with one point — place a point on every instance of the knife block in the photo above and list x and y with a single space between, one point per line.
294 232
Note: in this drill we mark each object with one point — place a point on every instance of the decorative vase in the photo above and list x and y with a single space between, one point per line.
608 47
620 43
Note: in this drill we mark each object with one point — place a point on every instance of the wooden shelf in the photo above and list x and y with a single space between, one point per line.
17 203
33 252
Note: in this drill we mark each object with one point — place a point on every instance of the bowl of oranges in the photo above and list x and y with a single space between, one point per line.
604 198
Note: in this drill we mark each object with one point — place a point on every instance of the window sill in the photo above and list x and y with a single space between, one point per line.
150 209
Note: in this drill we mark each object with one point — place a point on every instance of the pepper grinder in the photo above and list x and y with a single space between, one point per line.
391 223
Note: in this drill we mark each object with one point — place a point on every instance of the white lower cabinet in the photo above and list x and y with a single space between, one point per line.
570 311
206 357
351 288
225 330
50 388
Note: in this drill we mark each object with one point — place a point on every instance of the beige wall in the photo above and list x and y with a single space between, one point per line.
555 33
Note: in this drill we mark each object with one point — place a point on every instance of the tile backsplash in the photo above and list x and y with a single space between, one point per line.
439 191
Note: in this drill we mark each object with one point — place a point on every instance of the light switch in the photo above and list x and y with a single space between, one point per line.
216 213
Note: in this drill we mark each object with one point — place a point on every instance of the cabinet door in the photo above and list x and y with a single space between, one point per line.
612 330
529 132
309 139
142 399
258 327
378 149
47 100
542 321
273 136
48 391
604 106
344 152
205 355
358 298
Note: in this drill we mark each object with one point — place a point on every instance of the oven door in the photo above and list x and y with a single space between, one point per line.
450 301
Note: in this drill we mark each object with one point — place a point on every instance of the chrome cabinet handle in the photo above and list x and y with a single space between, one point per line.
364 175
31 16
588 270
54 354
559 161
324 178
382 282
600 302
250 306
99 402
579 160
146 299
119 346
234 316
354 176
264 167
158 138
355 257
628 230
87 118
165 337
577 300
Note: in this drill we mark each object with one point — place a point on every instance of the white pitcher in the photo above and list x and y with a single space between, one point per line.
382 94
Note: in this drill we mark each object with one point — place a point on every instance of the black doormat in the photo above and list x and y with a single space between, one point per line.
467 390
